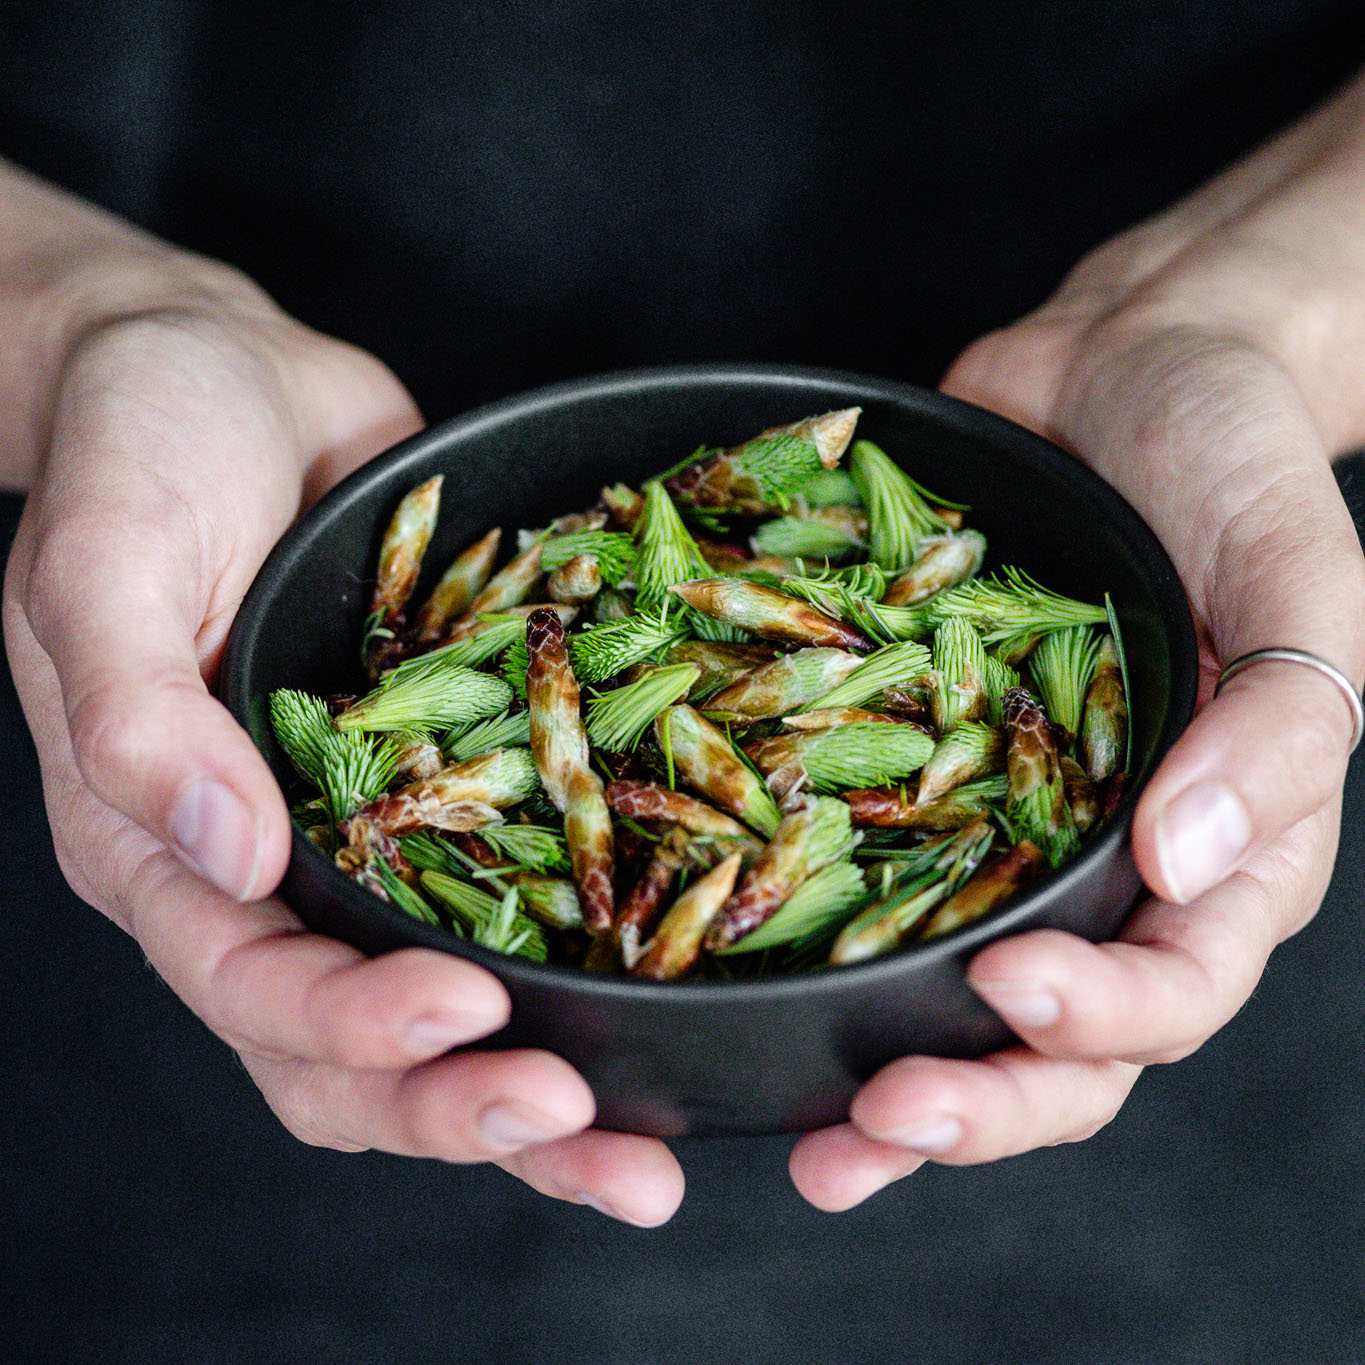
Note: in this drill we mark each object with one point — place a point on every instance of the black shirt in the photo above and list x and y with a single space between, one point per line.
491 195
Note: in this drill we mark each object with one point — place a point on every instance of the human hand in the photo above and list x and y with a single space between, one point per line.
181 440
1203 364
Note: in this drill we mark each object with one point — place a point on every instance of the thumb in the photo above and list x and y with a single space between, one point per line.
104 603
1211 441
1214 444
170 470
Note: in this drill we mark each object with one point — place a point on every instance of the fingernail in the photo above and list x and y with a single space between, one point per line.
508 1125
929 1136
218 836
1024 1003
434 1033
602 1207
1199 838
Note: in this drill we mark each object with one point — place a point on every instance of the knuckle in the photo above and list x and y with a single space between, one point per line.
61 552
141 336
1171 1052
299 1107
1094 1123
108 736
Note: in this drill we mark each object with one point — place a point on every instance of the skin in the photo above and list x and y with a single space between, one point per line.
139 384
1206 362
1203 363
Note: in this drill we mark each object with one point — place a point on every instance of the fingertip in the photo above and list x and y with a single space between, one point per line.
1040 952
633 1179
1193 841
231 828
1027 980
1268 751
166 754
645 1186
451 982
836 1169
553 1084
910 1104
413 1005
481 1106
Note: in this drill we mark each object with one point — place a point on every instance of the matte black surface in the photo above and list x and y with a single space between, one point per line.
493 194
722 1056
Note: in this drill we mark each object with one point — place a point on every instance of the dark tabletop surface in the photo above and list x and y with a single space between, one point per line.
153 1210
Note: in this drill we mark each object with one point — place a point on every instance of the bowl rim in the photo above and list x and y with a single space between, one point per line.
974 421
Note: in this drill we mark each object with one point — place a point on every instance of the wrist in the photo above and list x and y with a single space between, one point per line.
68 270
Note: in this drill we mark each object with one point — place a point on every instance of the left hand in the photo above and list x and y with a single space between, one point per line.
1202 364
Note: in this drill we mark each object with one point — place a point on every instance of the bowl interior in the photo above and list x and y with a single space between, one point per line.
519 463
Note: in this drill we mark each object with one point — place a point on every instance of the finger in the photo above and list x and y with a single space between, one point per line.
464 1107
1016 370
349 407
146 736
271 989
1277 563
1178 974
962 1112
138 543
837 1168
248 970
1269 751
634 1179
1211 439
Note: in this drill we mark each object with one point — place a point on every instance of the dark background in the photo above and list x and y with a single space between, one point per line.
491 196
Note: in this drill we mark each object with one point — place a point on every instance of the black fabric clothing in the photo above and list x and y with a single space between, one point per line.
490 196
493 195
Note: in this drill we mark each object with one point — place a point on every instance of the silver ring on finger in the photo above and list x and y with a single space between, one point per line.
1279 654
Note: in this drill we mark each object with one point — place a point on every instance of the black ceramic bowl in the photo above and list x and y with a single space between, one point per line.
722 1057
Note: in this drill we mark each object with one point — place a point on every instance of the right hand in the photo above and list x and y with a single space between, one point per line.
180 443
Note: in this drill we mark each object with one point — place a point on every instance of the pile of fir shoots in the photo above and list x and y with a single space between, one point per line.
759 715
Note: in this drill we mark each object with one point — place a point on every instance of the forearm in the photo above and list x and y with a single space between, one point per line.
65 267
